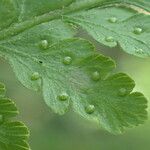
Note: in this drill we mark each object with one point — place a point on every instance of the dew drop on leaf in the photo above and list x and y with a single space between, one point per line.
35 76
122 92
112 19
96 76
67 60
63 97
138 30
139 51
44 44
109 39
90 109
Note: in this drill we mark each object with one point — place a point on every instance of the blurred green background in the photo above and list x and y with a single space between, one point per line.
71 132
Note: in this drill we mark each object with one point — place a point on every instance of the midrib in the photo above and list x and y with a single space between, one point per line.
57 14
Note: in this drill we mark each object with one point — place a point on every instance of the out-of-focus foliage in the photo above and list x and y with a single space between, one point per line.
13 134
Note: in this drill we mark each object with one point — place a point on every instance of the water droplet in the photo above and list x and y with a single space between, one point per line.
138 30
90 109
122 92
139 51
112 19
63 97
44 44
35 76
67 60
109 39
96 76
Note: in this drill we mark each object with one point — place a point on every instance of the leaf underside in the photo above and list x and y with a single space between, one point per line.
13 134
40 47
116 26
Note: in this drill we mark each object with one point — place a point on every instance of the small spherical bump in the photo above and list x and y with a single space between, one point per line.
139 51
109 39
112 20
90 109
122 92
138 30
63 97
44 44
96 76
67 60
35 76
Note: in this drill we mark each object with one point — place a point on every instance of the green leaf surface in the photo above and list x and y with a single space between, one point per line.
72 74
2 90
7 108
8 13
145 4
68 71
116 26
13 135
32 8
